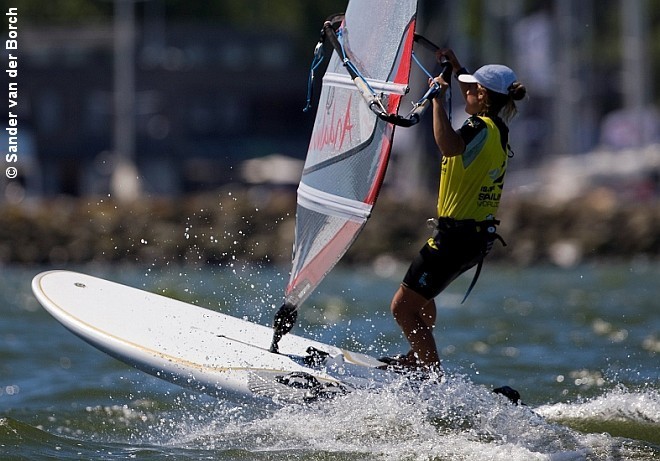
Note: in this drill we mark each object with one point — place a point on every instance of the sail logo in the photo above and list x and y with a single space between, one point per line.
334 130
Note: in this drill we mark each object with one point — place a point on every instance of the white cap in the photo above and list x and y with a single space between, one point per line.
495 77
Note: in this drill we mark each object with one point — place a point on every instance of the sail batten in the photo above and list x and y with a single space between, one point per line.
334 205
345 81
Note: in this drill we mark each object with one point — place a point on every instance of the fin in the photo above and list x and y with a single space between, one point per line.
510 393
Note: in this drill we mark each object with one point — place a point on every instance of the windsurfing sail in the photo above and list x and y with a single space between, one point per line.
351 140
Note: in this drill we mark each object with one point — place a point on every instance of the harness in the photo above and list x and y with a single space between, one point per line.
487 227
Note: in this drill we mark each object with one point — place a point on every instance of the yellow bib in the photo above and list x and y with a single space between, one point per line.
471 183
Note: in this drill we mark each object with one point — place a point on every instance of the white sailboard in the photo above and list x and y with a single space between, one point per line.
199 348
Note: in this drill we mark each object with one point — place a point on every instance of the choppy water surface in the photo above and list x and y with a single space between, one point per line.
580 345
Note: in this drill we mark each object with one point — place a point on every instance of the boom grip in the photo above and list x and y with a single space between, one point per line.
368 95
445 73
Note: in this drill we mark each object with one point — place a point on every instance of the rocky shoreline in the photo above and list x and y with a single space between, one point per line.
257 225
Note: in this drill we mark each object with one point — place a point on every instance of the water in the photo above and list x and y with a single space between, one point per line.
580 345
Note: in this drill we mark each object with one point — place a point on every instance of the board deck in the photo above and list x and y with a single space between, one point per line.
199 348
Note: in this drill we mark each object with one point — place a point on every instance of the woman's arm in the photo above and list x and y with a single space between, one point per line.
450 56
448 141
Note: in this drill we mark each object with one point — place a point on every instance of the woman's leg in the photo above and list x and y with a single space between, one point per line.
429 313
416 316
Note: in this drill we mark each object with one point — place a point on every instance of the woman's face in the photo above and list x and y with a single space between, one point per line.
475 100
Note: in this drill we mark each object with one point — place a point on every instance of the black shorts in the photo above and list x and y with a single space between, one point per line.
456 251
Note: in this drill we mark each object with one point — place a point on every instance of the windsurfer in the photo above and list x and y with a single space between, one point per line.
473 160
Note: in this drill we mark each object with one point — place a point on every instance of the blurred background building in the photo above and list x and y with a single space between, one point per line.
167 97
